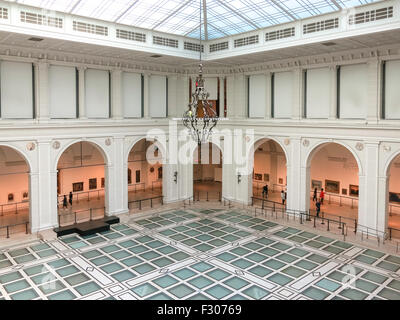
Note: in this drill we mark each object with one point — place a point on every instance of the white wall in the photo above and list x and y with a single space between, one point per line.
392 90
210 85
62 92
353 91
97 93
318 95
16 90
132 95
283 94
257 96
158 96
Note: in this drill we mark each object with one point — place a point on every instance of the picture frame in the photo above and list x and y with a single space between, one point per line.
10 197
103 180
160 173
332 186
93 184
394 197
316 184
25 195
77 187
258 176
129 176
344 192
353 190
266 177
280 180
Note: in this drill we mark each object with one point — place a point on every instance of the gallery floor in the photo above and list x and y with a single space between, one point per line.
197 254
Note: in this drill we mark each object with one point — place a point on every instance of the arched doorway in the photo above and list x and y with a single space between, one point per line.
393 197
334 169
82 180
145 175
207 172
269 169
14 191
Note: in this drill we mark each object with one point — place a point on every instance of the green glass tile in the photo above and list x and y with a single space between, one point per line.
229 229
77 245
2 256
324 239
226 256
393 259
217 242
240 251
31 271
353 294
315 244
179 256
236 283
242 263
129 232
58 263
253 246
336 275
123 275
138 249
286 257
111 268
365 285
204 237
67 271
342 244
180 229
265 241
218 291
317 258
70 239
87 288
256 292
25 295
242 234
372 276
218 274
167 232
299 252
24 259
200 282
293 271
298 239
150 255
394 284
162 262
202 266
5 264
181 291
144 268
282 234
269 252
260 271
144 239
63 295
373 253
43 278
190 242
96 240
101 260
166 249
280 279
155 244
40 247
256 257
16 286
132 261
274 264
152 226
9 277
144 290
159 296
315 294
184 273
328 285
217 233
192 233
165 282
77 279
307 235
113 235
260 227
120 254
51 287
178 237
280 246
389 294
306 265
46 253
203 247
388 266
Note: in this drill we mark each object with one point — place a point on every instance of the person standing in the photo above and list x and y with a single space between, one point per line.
322 196
265 191
283 197
315 195
318 207
70 198
65 203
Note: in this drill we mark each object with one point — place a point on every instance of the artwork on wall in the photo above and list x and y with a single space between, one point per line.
332 186
394 197
353 190
137 176
25 195
129 176
344 192
160 173
280 181
266 177
151 169
316 184
77 187
10 197
258 176
93 184
102 182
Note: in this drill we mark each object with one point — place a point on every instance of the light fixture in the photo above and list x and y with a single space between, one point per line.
176 176
239 177
200 118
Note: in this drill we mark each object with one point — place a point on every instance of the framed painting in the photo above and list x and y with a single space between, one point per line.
266 177
353 190
394 197
332 186
10 197
258 176
103 180
344 192
316 184
129 176
280 181
77 187
25 195
93 184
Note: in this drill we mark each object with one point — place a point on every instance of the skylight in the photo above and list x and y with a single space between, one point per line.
219 19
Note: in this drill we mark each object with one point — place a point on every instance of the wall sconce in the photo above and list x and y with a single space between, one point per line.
239 177
176 176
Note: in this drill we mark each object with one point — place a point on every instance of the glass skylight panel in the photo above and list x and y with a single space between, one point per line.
224 17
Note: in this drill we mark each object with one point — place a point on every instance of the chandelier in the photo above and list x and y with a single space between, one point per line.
200 118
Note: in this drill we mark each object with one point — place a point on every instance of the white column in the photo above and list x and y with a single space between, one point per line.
296 187
383 201
297 109
374 74
173 96
333 92
240 96
268 97
116 95
221 96
146 95
34 202
369 183
42 85
81 85
230 99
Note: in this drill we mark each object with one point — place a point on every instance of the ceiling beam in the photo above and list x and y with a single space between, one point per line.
218 29
283 9
75 6
205 20
191 30
171 15
337 5
238 14
126 11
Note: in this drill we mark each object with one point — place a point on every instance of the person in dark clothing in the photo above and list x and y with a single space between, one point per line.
70 198
315 195
265 191
318 207
283 197
322 196
65 203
